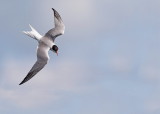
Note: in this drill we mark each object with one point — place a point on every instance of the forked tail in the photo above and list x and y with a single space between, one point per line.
33 33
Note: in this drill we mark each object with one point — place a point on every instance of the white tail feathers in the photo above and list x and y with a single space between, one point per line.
33 33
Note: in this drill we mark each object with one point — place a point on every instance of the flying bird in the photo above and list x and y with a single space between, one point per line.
45 43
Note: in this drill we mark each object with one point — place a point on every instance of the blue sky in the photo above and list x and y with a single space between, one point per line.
108 63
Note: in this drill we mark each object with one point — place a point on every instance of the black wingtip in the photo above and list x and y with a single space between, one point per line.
21 83
53 9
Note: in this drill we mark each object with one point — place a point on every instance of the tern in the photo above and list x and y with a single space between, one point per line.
45 43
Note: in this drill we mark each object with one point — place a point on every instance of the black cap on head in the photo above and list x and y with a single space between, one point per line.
55 48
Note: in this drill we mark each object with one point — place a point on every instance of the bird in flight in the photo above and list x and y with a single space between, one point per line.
45 43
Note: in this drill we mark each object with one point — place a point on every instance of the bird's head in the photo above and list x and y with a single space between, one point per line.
55 49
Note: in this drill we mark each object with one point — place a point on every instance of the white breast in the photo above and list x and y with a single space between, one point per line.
42 52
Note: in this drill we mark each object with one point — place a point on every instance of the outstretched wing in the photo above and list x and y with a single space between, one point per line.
42 59
35 69
59 26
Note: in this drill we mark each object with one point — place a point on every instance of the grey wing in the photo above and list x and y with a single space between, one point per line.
57 19
59 26
35 69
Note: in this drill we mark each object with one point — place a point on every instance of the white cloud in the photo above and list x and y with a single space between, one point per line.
120 63
150 72
41 89
26 98
152 104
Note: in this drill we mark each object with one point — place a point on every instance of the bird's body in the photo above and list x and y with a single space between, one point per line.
45 43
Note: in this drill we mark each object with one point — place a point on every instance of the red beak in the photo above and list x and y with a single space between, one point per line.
57 53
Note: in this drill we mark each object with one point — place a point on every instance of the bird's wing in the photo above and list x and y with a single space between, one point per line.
35 69
42 58
59 26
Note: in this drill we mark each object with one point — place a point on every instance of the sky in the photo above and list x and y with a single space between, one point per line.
108 62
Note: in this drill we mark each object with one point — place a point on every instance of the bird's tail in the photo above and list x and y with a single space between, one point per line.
33 33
